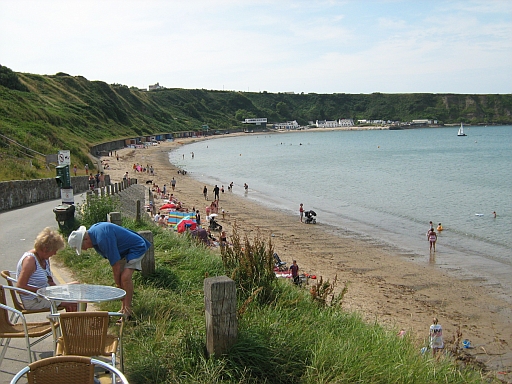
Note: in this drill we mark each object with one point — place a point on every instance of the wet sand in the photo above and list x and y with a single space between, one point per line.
383 286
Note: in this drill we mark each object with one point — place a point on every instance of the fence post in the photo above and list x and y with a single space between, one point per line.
148 262
220 313
138 214
115 218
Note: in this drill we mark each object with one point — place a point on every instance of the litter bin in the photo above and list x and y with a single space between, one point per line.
65 216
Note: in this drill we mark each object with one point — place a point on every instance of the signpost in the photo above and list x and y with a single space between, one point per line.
64 157
64 213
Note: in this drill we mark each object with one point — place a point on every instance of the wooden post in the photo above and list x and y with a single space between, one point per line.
148 262
138 214
220 312
115 218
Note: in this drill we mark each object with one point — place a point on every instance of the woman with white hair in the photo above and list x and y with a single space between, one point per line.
34 271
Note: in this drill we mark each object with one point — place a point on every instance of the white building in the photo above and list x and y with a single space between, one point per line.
346 122
334 123
155 87
288 125
257 121
424 121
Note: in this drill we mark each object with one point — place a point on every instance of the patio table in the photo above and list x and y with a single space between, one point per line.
82 294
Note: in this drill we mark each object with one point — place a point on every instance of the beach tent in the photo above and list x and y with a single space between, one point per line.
185 224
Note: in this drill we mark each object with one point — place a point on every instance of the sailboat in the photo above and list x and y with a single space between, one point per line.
461 131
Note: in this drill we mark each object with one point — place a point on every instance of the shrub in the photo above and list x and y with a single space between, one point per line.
251 266
96 208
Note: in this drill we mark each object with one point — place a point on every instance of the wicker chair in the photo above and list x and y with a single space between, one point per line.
66 370
85 334
11 278
23 329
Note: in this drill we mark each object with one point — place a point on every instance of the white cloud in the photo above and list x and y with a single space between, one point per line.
319 46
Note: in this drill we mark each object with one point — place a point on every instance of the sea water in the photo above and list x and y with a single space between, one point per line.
382 186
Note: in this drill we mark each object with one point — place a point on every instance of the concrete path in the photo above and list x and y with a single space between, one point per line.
18 230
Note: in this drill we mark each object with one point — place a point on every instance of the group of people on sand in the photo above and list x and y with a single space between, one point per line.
140 168
212 208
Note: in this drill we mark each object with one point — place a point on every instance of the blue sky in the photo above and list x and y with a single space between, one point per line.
353 46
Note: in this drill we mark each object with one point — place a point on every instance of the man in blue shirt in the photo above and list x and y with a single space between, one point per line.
123 248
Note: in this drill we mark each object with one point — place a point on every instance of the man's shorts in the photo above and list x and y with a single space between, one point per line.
135 264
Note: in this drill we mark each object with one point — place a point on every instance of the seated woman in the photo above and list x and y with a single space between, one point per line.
34 271
162 221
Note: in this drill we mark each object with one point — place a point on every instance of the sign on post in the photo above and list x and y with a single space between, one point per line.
64 157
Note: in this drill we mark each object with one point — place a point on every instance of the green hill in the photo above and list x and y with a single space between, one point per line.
40 114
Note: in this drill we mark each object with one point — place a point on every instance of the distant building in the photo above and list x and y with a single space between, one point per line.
257 121
288 125
334 123
346 122
155 87
424 121
364 121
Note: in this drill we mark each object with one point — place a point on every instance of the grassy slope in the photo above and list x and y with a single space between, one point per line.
289 340
49 113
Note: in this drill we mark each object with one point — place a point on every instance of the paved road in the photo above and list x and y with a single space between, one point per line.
18 229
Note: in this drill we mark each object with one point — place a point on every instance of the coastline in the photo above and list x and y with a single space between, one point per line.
383 286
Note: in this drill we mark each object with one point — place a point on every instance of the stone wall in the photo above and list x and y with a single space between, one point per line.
18 193
128 198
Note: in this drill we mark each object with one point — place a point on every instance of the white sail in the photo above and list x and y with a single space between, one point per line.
461 131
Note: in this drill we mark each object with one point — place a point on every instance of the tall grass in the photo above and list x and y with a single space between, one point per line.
292 338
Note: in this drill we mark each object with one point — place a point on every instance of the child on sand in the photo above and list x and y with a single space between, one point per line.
436 337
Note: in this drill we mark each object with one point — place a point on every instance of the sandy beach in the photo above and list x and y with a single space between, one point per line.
383 286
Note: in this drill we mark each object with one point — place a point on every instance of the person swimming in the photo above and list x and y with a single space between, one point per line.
439 228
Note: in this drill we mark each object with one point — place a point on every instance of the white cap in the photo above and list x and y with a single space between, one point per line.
76 238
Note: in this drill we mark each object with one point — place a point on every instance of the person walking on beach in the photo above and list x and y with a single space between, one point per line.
216 191
301 211
294 269
432 238
205 193
173 183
